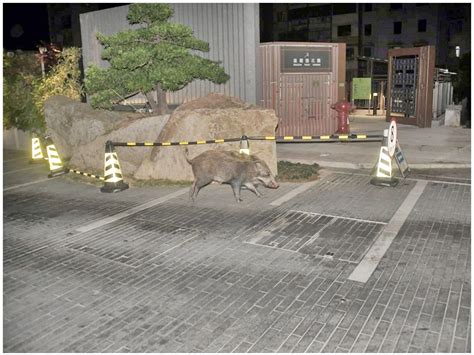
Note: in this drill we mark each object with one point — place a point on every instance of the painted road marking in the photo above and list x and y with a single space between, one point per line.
131 211
29 168
366 267
340 217
414 179
16 159
300 189
288 196
27 184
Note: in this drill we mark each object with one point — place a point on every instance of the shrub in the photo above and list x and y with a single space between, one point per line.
25 90
63 79
20 72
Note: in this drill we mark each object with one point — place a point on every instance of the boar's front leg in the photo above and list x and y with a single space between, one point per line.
252 188
236 189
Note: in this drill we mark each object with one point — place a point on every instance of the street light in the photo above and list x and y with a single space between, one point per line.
458 51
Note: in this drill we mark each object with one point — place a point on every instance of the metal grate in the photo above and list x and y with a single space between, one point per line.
404 81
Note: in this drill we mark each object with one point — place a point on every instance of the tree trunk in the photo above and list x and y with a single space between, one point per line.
159 107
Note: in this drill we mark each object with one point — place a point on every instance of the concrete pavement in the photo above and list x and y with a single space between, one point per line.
424 148
145 270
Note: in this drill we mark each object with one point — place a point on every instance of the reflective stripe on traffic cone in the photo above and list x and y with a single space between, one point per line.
112 172
36 152
55 165
383 175
244 145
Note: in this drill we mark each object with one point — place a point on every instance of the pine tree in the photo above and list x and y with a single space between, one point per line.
156 56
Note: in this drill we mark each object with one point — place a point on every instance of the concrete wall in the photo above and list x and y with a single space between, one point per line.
231 29
16 139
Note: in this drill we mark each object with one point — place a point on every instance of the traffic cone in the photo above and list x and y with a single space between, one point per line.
244 145
36 152
55 165
383 170
112 172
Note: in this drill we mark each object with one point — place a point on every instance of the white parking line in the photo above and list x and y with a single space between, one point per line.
16 159
366 267
28 183
341 217
131 211
300 189
412 179
18 170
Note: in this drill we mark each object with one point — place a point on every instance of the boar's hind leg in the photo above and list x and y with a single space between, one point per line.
236 189
198 184
252 188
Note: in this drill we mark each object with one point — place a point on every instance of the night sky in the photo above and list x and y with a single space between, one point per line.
24 25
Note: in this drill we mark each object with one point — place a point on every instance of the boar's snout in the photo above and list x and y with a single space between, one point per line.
269 181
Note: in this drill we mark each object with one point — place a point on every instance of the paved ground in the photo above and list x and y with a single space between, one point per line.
145 270
437 147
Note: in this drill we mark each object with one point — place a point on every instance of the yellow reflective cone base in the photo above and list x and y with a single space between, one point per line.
56 167
113 177
36 152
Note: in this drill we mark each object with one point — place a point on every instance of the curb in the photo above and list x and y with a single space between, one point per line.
356 166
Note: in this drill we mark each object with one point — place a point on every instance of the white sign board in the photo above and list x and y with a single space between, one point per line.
392 138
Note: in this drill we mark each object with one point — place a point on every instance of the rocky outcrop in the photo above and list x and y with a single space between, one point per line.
212 117
72 124
80 133
90 156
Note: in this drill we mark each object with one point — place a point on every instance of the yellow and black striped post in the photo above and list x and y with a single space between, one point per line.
383 169
244 145
56 167
113 177
36 151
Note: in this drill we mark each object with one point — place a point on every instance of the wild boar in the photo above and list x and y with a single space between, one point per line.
231 168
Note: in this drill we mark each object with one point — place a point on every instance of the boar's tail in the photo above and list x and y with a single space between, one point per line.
186 155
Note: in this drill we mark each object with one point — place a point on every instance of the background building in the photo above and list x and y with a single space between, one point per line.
370 30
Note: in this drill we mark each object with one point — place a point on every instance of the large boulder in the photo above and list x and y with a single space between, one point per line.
71 123
79 132
90 156
212 117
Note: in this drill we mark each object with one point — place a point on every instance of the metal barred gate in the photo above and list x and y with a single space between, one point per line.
410 85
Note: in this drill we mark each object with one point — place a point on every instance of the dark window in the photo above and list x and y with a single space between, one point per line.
396 6
319 11
397 28
367 51
298 14
368 30
280 16
341 8
349 53
368 7
343 31
421 25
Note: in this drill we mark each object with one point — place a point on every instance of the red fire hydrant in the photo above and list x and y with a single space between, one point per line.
342 108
